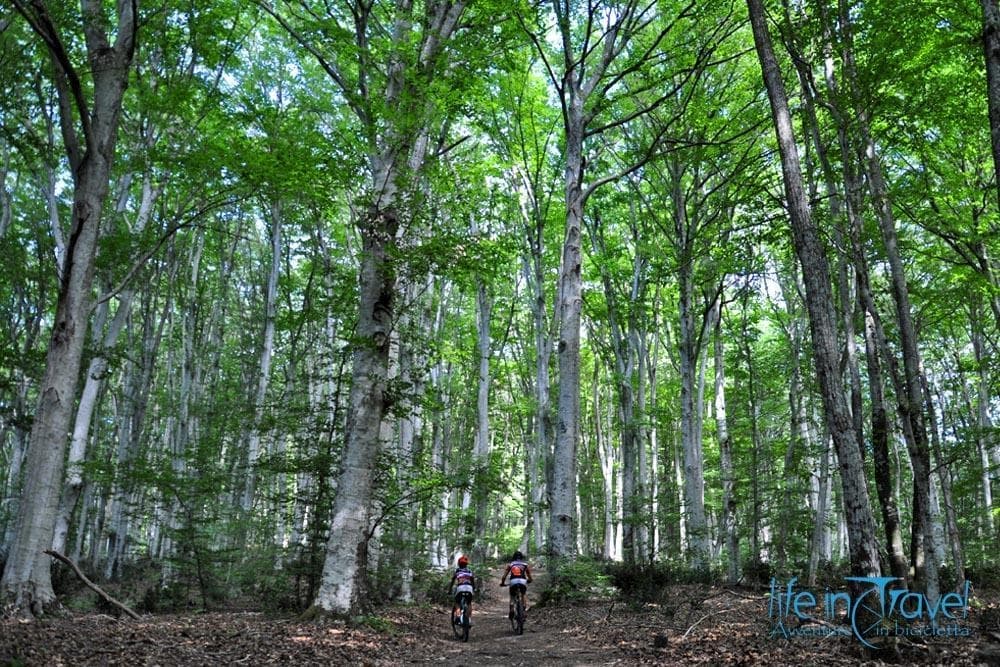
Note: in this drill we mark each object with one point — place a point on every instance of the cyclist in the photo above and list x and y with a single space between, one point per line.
464 582
520 577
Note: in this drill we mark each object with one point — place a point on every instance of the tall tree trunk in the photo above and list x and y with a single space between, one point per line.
397 158
623 344
816 276
90 147
991 53
343 579
691 347
656 530
253 435
790 290
752 409
563 524
481 444
728 528
584 82
94 379
819 542
606 454
943 467
913 402
984 424
880 449
534 272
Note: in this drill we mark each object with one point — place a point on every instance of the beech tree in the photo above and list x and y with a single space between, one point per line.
815 273
89 118
607 73
327 222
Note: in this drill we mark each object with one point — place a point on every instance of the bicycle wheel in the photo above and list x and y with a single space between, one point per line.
457 625
518 621
466 619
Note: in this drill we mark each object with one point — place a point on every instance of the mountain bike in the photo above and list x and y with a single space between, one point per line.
517 623
517 620
462 624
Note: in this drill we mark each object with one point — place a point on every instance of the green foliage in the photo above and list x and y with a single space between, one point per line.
276 581
576 580
377 623
985 575
648 582
433 586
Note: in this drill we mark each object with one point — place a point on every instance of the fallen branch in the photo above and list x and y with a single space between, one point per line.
91 585
714 613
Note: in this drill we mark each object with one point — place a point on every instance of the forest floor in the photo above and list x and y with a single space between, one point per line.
693 625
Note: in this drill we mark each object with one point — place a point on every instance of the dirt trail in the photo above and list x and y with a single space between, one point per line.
492 642
690 625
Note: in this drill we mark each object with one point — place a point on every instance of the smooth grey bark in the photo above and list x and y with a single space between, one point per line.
481 441
943 467
414 323
820 533
533 210
606 454
263 379
623 342
89 129
394 120
797 431
438 547
137 387
812 257
691 346
647 444
651 354
756 444
585 82
728 529
563 524
96 371
984 424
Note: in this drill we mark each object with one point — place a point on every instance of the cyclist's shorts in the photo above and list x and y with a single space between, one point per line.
514 588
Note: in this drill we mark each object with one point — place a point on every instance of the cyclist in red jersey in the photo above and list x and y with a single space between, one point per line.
464 582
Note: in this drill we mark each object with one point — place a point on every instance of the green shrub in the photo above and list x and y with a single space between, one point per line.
984 576
757 572
640 583
576 580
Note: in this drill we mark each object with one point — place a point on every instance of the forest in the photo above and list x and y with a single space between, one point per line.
303 299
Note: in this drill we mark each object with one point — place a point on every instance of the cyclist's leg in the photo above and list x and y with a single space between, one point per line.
513 592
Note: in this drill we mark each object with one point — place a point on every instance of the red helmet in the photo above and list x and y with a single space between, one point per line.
463 561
